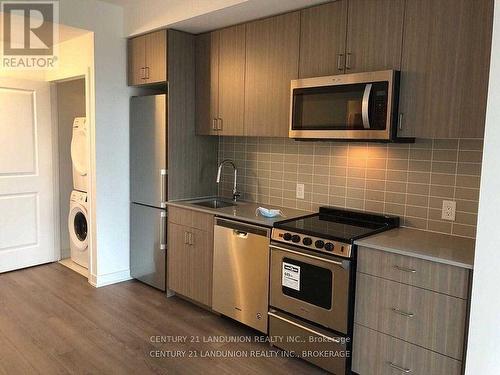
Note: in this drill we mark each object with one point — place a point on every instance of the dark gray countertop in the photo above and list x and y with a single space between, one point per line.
436 247
243 211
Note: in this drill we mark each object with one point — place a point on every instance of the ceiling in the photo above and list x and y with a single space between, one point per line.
242 12
196 16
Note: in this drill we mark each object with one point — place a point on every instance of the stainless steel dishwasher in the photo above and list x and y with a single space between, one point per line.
241 272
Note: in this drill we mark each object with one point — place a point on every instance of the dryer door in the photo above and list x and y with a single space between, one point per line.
79 151
78 228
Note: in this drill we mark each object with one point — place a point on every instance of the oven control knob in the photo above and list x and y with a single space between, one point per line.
287 236
307 241
319 244
329 246
295 238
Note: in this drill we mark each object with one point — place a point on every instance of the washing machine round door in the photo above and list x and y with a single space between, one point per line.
79 153
78 228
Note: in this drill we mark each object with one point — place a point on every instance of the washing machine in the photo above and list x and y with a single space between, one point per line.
80 154
78 228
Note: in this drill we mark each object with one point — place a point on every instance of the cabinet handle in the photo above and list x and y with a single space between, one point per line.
399 368
146 69
143 73
191 239
400 121
340 57
219 121
348 60
404 269
404 313
214 124
186 241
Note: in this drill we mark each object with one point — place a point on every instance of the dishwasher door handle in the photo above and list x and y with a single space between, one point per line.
242 228
240 234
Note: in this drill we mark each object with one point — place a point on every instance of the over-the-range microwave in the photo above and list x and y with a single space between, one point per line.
357 106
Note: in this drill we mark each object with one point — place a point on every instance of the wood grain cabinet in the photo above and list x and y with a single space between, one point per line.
445 65
220 81
190 254
349 36
272 58
147 59
410 315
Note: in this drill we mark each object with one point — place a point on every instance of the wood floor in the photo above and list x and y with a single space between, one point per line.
53 322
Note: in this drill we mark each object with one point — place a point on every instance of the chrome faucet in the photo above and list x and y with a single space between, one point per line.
236 193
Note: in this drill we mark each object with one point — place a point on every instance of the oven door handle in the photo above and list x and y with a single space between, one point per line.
365 104
341 264
328 338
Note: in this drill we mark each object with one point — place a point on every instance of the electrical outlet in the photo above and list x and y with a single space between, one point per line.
449 209
300 191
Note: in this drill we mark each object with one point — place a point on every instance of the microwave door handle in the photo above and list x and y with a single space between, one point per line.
365 105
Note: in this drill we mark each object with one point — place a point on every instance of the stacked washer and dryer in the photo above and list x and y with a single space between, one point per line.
78 209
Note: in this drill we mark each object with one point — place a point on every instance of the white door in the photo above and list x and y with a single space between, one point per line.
26 175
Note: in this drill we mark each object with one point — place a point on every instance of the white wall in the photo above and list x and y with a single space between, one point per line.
484 331
111 137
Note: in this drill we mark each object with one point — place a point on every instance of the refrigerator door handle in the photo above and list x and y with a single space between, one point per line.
163 178
163 232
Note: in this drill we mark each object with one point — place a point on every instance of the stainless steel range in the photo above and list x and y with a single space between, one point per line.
313 268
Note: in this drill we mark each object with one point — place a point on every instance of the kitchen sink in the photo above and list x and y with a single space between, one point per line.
215 203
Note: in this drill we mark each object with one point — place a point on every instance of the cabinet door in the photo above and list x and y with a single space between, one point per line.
200 266
190 262
322 39
232 80
207 83
374 35
156 57
445 65
178 267
136 60
272 59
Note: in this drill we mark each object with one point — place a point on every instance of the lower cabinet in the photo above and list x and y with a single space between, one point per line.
410 315
190 254
375 353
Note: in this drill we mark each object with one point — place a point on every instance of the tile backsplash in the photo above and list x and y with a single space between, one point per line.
408 180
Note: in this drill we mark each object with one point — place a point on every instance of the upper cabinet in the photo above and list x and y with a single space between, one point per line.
220 81
374 34
445 65
322 40
272 58
243 77
147 59
441 48
348 36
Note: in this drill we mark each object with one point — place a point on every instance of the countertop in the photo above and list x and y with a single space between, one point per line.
243 211
436 247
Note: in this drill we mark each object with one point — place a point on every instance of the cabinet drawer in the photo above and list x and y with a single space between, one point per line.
377 354
438 277
432 320
191 218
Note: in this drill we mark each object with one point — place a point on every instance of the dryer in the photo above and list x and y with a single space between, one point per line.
80 154
78 228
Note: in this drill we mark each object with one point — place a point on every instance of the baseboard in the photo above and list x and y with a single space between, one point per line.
109 278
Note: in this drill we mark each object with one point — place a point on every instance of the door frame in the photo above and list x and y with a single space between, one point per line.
91 193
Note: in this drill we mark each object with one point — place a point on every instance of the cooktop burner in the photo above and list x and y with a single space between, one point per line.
320 231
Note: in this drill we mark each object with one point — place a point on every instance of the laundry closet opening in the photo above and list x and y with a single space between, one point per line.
73 170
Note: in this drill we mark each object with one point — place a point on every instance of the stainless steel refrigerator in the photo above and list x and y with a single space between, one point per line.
148 189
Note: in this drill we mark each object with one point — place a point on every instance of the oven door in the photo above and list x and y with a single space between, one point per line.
310 286
350 106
